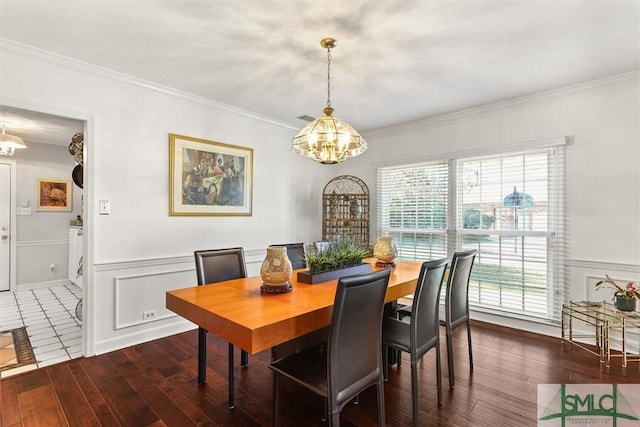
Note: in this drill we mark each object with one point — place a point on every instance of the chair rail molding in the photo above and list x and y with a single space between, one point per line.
50 242
603 266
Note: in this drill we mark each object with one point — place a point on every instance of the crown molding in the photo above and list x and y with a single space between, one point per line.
580 90
78 69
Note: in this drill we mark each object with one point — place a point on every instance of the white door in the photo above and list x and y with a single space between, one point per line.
5 225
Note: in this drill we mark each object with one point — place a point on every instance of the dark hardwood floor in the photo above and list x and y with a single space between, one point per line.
154 384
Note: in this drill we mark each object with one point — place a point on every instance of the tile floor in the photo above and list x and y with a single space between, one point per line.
49 316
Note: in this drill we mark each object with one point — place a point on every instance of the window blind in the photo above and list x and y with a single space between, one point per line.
507 206
413 209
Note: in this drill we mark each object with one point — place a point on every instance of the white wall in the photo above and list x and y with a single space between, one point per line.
138 251
602 166
42 237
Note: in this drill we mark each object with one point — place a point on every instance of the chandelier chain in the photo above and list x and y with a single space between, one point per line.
328 77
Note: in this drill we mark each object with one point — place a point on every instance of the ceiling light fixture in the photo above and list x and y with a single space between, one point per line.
9 143
328 140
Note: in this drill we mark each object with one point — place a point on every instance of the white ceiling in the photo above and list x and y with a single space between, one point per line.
395 61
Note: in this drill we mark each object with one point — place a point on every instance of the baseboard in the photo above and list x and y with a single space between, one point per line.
38 285
176 326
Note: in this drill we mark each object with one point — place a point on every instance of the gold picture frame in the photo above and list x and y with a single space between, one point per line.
53 195
209 178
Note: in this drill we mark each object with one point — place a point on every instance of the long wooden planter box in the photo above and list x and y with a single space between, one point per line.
306 277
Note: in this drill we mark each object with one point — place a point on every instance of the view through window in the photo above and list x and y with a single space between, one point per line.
509 207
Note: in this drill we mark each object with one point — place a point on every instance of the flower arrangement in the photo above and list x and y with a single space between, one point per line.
631 290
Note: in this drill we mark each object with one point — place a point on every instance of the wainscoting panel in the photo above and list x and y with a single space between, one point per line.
123 291
140 291
140 298
584 274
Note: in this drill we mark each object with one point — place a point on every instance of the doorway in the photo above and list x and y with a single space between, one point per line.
7 234
40 296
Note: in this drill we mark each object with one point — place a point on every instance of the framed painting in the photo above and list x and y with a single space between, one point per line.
53 195
209 178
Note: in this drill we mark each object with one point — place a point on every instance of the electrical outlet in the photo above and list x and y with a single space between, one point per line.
151 314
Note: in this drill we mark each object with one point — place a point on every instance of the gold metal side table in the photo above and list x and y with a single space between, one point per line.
586 313
610 325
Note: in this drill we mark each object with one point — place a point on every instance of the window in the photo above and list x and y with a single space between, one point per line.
509 207
412 209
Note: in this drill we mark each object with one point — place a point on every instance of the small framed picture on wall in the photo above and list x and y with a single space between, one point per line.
54 195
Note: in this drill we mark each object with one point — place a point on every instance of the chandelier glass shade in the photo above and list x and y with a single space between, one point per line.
10 143
328 140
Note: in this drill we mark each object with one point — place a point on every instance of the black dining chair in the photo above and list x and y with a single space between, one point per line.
296 254
456 304
218 265
422 333
351 361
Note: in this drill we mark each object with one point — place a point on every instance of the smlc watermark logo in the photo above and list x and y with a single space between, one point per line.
588 405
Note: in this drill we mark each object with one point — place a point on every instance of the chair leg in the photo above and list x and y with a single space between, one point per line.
276 399
231 379
439 374
335 418
452 381
414 388
385 362
202 356
244 358
469 340
381 420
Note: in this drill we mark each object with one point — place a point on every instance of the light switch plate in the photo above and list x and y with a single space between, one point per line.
105 207
23 211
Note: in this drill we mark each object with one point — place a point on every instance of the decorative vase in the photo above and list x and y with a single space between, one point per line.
354 207
334 205
625 304
385 252
276 271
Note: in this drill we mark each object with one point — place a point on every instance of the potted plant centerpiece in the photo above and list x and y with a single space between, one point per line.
624 297
343 257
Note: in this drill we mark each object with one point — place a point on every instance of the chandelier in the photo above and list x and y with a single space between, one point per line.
328 140
9 143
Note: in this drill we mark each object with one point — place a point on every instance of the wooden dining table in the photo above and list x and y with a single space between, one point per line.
236 310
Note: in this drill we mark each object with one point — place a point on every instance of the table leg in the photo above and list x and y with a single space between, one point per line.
608 347
202 356
231 379
202 364
601 346
624 349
